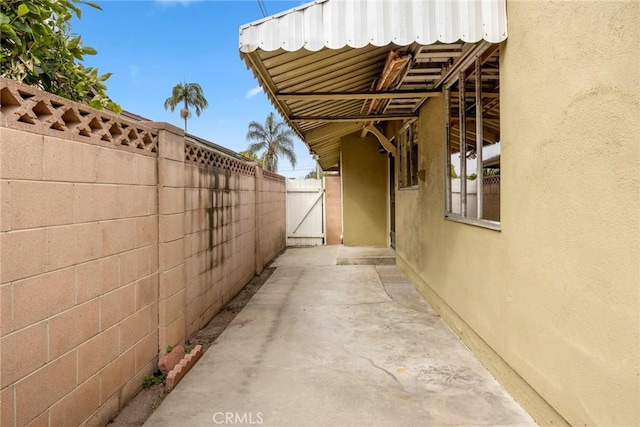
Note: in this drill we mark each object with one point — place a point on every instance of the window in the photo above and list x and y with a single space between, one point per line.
408 156
472 104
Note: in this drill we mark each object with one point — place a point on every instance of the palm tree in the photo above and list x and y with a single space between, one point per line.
188 94
272 139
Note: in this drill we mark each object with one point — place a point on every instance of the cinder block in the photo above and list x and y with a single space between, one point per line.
117 373
39 297
21 155
69 161
190 245
96 278
191 176
134 385
171 254
145 168
171 173
198 198
170 200
173 334
152 199
194 310
41 420
171 281
115 166
134 328
171 308
146 291
95 202
154 314
146 230
31 204
134 265
72 244
147 350
16 364
5 206
117 236
153 258
171 227
76 407
7 407
38 391
73 327
97 352
6 309
195 287
133 200
23 254
170 142
117 305
106 413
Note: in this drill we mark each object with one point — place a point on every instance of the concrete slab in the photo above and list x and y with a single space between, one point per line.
351 255
327 345
318 255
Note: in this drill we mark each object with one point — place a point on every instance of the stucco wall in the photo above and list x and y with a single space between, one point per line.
364 180
333 210
550 302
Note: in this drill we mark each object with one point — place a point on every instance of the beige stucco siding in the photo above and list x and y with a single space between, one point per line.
554 294
364 180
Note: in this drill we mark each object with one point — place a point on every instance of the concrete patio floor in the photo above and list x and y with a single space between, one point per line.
338 345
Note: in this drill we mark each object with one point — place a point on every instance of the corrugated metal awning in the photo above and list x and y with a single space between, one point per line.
322 64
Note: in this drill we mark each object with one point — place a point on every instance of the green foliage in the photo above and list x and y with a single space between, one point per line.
472 177
188 348
314 174
250 155
169 348
37 48
188 94
273 139
156 378
491 172
454 175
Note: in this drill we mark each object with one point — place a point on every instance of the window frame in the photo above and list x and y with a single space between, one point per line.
459 78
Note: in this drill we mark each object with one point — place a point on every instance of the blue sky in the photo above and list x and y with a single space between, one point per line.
150 46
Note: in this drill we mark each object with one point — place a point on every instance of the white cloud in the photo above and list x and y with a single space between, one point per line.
253 92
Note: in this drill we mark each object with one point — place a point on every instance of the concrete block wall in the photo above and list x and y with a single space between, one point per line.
79 261
272 216
219 239
115 241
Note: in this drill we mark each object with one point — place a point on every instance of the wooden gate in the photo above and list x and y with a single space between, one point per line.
305 212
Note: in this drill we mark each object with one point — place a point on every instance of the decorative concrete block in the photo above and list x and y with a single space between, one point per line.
171 359
181 369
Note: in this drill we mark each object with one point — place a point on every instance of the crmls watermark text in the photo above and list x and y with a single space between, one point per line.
238 418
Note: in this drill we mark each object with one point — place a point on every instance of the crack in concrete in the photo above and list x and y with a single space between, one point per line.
380 368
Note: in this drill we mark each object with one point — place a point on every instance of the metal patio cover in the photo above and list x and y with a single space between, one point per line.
326 66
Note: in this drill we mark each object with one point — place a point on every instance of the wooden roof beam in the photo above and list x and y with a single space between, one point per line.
320 96
358 118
